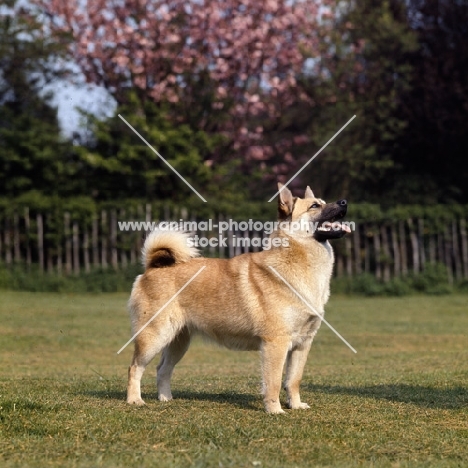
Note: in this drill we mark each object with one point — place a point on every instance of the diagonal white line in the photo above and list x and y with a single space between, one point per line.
313 310
313 157
174 170
161 309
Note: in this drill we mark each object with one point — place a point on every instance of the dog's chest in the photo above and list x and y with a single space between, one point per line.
304 324
320 265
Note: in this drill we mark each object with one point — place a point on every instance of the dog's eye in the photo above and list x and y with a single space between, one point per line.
315 205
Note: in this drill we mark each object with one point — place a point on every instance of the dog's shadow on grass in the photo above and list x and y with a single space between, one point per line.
422 396
241 400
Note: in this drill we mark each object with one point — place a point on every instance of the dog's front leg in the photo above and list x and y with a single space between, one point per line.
295 363
274 353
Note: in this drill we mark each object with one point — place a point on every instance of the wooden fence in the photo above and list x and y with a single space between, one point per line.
69 246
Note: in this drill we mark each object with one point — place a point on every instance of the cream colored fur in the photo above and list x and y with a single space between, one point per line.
239 303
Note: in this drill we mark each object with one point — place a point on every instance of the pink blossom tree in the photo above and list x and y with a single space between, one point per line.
222 66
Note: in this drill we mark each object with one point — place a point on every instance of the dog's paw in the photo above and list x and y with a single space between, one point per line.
273 407
136 402
298 406
301 406
276 411
165 397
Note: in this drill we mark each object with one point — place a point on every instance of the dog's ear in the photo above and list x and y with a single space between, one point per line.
285 202
309 193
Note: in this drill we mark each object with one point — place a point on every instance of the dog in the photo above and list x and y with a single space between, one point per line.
249 302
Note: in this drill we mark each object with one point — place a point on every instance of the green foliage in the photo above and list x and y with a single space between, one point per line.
363 70
406 151
119 165
33 155
431 160
365 284
434 215
433 280
98 280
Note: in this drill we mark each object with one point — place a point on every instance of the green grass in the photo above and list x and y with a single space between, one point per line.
401 401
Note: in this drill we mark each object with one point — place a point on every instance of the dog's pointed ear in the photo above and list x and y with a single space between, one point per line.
309 193
285 202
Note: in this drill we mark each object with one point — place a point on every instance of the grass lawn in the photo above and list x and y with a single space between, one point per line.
401 401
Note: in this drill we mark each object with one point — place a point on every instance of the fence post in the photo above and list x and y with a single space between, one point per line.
113 239
386 251
94 240
448 255
68 253
123 246
366 251
148 213
104 239
396 251
339 265
59 256
456 251
403 250
349 257
16 238
8 258
422 253
357 251
76 251
221 253
378 264
27 226
432 248
49 249
133 255
86 250
40 240
464 244
1 244
440 248
414 246
139 241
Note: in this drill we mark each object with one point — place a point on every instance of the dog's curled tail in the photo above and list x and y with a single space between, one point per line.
166 248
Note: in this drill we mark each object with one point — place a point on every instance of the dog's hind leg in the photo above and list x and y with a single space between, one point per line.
295 363
147 344
273 357
171 355
141 358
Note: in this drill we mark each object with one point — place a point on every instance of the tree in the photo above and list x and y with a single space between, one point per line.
433 152
119 165
364 69
217 66
33 155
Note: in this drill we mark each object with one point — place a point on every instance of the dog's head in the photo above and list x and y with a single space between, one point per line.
312 216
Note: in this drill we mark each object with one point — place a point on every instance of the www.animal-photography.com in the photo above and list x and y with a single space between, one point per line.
233 234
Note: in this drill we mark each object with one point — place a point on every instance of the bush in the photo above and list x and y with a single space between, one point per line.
397 287
433 280
365 284
20 278
462 286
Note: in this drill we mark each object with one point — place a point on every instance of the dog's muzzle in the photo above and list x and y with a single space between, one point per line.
329 226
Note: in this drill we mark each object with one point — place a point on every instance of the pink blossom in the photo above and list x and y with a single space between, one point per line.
252 54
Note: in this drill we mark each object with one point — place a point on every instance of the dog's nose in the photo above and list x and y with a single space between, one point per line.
342 202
